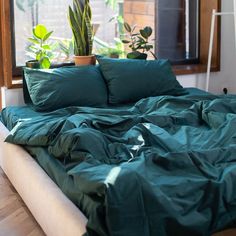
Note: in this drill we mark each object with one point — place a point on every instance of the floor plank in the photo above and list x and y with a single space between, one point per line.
15 218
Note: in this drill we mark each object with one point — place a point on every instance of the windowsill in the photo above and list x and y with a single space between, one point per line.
178 70
193 69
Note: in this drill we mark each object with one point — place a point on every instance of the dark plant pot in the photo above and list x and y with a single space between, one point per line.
114 56
34 64
137 55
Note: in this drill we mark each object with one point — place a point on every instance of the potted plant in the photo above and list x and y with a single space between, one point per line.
80 22
138 42
39 49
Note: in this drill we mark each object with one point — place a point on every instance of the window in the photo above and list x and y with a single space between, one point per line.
53 14
175 23
177 30
190 28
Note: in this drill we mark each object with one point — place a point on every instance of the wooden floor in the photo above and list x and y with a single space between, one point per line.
15 218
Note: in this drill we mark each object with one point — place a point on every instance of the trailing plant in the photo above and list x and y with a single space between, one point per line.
66 46
39 49
138 42
115 51
80 22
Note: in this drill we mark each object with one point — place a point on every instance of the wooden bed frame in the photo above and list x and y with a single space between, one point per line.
54 212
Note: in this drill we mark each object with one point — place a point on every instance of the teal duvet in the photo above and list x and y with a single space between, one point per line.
164 166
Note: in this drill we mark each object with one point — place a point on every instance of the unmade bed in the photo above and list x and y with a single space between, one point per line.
162 166
122 149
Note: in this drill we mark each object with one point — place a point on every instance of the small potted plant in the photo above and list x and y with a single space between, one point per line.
39 49
138 42
80 22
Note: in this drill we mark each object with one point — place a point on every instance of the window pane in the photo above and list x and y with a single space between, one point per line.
174 24
53 14
141 14
177 29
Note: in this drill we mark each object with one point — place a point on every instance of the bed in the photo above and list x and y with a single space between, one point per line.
162 165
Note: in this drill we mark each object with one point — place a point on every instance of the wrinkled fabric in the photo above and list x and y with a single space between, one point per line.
165 166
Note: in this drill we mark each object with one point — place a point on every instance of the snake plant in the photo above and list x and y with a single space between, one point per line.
80 22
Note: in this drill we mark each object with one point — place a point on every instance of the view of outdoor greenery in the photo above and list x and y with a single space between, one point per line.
107 19
176 40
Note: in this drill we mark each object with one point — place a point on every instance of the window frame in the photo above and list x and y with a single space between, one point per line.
205 14
6 53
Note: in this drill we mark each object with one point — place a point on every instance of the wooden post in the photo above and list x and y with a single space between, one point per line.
6 53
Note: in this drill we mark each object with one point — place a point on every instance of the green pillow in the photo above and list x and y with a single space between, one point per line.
129 80
50 89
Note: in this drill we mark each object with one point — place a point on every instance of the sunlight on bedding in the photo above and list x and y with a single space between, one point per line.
20 121
112 176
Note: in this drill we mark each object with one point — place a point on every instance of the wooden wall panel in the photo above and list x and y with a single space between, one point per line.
206 8
6 59
1 62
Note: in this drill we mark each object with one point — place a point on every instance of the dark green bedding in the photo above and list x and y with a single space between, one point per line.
164 166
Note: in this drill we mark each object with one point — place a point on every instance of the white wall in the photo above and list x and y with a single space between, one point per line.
219 80
12 97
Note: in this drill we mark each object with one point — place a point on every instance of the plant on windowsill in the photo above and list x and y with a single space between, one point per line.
138 42
80 22
39 49
112 51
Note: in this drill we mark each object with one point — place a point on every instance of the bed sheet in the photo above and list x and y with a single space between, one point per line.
163 166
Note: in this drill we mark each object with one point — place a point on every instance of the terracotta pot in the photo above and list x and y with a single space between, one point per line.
33 64
85 60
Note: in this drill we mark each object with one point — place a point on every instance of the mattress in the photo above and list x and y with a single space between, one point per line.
55 213
57 168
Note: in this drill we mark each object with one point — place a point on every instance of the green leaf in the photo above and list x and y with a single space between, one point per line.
33 40
47 36
127 27
125 41
148 47
40 31
45 63
146 32
38 56
136 34
20 5
46 47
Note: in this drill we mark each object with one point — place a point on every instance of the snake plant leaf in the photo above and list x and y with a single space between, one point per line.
81 26
78 38
40 31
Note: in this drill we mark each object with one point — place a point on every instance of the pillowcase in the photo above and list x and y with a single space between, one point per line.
50 89
129 80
